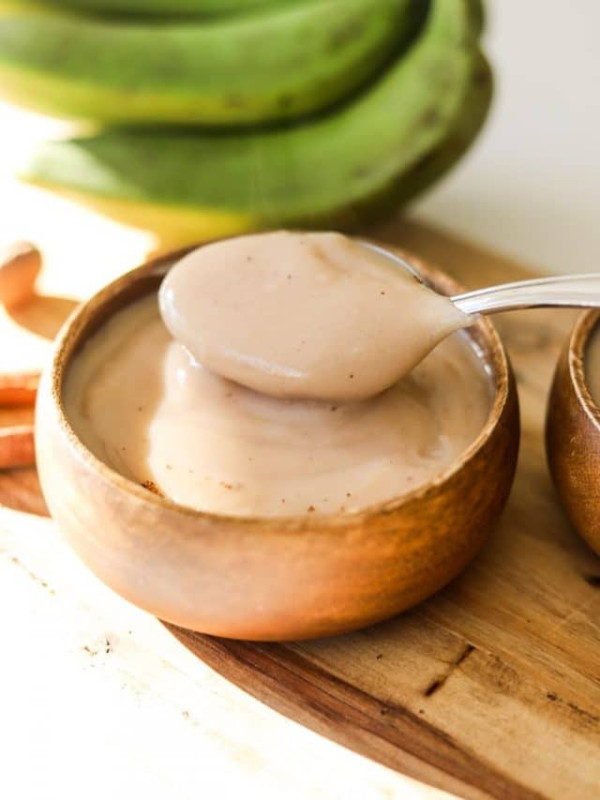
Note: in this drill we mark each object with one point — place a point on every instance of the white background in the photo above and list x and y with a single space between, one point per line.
531 187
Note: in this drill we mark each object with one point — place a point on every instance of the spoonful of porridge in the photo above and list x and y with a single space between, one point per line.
323 316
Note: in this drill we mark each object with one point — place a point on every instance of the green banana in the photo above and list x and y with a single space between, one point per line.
150 8
477 12
262 68
187 187
465 129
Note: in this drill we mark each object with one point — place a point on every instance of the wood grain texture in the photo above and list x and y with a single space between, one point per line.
492 687
573 434
18 389
20 265
17 447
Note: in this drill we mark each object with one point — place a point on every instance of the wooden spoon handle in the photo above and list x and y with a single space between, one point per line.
18 388
17 447
20 265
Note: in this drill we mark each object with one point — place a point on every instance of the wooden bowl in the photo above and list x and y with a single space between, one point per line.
277 578
573 434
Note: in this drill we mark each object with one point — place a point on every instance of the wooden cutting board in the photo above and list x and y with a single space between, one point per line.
492 687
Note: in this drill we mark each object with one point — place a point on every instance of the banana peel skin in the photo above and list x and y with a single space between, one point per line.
256 69
477 14
367 157
169 9
461 135
153 8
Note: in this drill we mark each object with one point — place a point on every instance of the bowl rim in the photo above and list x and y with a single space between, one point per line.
578 342
496 365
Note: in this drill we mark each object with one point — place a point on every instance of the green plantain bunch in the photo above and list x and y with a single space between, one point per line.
218 117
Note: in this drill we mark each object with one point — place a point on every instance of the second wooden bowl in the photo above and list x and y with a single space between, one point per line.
573 433
276 578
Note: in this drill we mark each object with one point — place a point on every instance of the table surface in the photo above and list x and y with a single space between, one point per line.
97 695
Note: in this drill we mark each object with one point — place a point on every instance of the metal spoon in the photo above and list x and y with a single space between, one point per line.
574 291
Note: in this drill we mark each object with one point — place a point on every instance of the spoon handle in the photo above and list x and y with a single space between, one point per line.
575 291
